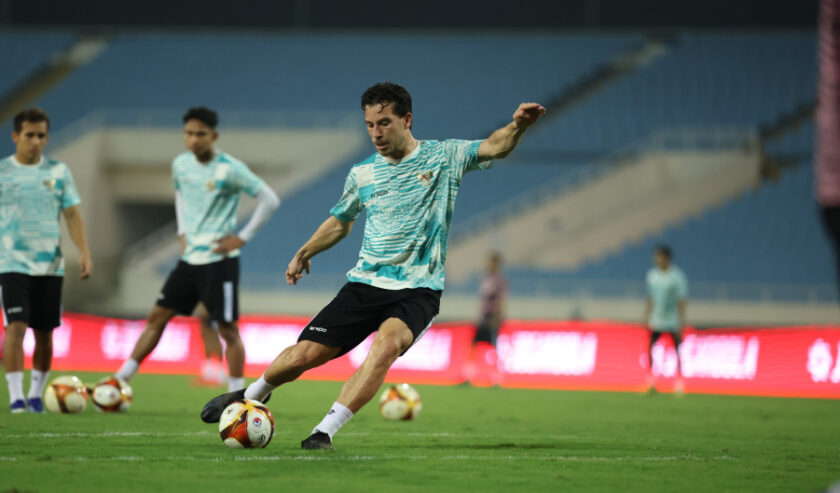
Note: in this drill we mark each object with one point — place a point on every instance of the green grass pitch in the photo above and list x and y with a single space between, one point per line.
466 439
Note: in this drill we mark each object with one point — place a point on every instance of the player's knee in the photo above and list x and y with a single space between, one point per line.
43 339
15 332
159 317
229 332
388 348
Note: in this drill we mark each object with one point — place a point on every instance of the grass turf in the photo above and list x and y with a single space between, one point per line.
466 439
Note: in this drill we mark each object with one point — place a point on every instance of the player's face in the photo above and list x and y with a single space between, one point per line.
661 260
388 132
199 138
30 141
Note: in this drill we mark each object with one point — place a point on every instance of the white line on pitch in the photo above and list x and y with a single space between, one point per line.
365 458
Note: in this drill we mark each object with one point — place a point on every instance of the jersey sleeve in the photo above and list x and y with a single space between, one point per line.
463 155
682 287
245 180
349 206
69 195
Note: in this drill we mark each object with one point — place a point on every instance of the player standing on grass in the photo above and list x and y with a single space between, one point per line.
33 190
208 183
408 188
666 303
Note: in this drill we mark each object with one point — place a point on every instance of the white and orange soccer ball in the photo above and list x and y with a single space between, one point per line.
66 394
400 402
112 394
246 424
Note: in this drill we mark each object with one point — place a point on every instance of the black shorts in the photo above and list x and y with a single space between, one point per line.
35 300
656 334
359 309
216 285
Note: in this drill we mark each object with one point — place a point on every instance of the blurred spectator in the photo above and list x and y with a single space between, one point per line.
667 289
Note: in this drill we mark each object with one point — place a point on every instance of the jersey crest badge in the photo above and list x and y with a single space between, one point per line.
50 184
426 178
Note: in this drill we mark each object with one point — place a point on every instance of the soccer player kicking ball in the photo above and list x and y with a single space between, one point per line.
33 190
408 188
208 183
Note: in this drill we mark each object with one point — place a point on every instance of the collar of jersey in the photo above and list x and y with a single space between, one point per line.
39 163
411 155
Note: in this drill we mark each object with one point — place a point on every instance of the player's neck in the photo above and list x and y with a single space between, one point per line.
410 145
206 156
27 160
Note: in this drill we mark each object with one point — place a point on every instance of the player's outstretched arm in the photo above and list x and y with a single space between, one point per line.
76 227
504 140
328 234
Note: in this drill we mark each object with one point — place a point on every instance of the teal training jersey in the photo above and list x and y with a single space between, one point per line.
409 210
31 198
210 198
666 289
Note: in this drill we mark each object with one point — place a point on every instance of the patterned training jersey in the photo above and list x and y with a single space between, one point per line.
31 198
409 210
210 198
666 289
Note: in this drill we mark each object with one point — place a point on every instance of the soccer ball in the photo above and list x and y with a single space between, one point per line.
111 394
246 424
66 394
400 402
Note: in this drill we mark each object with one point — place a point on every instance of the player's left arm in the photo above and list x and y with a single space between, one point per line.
267 203
76 227
682 303
504 140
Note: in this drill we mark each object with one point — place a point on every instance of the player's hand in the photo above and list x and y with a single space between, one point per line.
527 114
228 244
295 270
85 265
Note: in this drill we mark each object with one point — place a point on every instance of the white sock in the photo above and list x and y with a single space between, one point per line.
335 419
15 381
37 381
259 389
236 383
128 369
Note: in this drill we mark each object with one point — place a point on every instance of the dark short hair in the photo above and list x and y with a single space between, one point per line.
31 115
202 114
388 92
664 250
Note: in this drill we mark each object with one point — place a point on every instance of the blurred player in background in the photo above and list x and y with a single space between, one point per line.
408 188
492 294
34 192
481 369
208 183
665 309
827 163
213 371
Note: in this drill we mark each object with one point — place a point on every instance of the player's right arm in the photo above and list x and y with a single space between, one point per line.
328 234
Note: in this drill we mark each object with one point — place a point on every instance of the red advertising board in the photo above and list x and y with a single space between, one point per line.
591 355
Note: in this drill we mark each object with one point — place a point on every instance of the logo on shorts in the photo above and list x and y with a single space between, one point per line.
317 329
14 309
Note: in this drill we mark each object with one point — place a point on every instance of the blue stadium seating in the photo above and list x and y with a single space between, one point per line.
704 80
462 85
25 52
